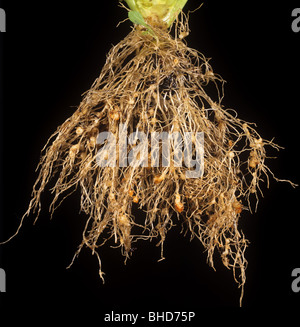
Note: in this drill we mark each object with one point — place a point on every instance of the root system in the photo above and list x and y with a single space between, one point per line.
153 82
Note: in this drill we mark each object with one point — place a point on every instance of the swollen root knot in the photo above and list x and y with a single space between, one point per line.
178 204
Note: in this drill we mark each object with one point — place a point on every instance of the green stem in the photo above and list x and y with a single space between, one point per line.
164 11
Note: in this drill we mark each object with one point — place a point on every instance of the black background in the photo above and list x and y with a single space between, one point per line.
52 53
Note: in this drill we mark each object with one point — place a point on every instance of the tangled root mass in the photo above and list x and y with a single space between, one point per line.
157 84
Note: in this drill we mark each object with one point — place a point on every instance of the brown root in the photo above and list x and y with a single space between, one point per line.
157 84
